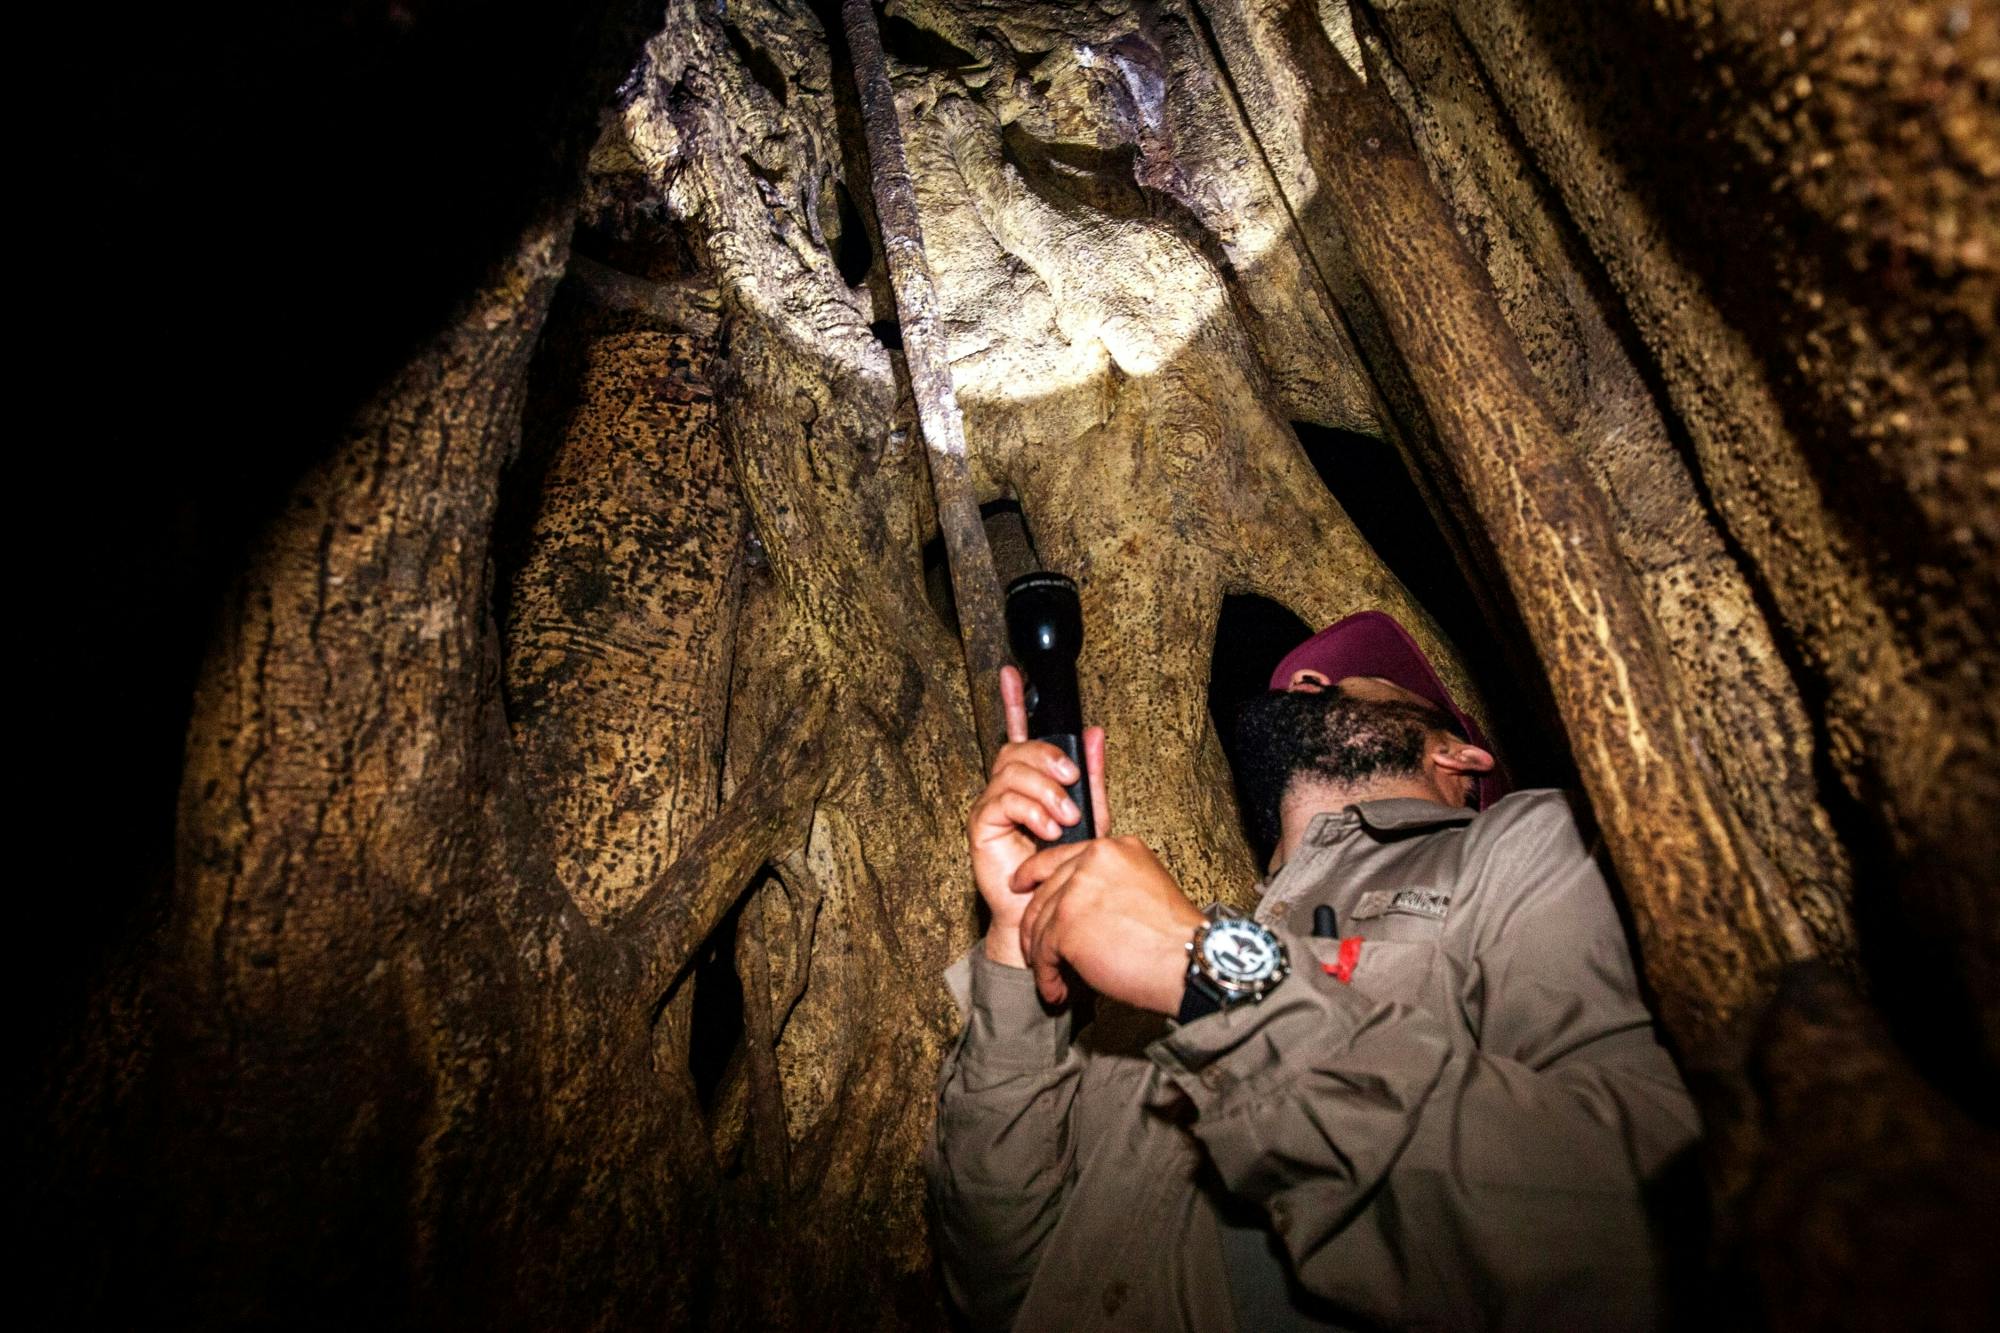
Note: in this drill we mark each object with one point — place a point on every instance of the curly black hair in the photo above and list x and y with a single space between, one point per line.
1283 735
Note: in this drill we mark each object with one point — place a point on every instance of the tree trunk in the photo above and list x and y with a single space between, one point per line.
387 1000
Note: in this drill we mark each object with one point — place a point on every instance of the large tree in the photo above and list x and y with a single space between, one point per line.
569 833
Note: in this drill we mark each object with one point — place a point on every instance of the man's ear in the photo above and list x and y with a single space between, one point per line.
1462 757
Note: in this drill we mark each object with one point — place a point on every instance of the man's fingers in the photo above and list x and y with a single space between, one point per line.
1037 785
1049 982
1041 944
1031 915
1093 759
1014 703
1021 809
1038 755
1045 864
1038 917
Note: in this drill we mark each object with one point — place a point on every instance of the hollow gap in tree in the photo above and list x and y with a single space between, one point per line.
554 391
1012 544
1007 535
1252 635
889 333
762 68
853 251
914 45
1367 476
715 1027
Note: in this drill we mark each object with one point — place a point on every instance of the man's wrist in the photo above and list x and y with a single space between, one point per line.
1003 945
1169 973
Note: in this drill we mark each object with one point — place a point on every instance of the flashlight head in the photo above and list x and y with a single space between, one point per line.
1044 619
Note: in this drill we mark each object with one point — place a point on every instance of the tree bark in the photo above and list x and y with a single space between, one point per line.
621 622
1801 283
358 911
1742 701
1714 921
570 835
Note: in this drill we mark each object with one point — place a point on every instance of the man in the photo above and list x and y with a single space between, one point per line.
1442 1110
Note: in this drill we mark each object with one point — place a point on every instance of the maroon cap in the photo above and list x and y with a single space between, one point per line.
1371 643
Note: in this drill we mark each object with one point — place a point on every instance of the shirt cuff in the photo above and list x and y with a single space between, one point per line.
1006 1022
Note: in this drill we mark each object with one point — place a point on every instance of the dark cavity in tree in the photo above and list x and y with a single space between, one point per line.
762 68
1013 544
715 1028
1252 635
853 248
1370 480
906 42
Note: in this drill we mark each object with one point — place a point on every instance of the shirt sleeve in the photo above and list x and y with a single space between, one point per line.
1406 1179
1000 1161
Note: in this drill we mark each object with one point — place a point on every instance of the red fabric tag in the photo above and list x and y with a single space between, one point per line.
1350 954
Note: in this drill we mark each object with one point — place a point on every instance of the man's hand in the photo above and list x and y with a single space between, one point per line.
1024 800
1110 910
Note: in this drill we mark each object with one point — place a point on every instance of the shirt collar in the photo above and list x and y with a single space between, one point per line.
1398 813
1409 812
1395 814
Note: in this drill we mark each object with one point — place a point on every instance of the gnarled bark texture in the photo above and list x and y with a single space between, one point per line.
569 827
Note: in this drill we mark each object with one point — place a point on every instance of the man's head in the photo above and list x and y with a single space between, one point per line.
1357 710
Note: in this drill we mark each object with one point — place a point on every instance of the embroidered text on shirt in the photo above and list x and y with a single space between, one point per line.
1415 902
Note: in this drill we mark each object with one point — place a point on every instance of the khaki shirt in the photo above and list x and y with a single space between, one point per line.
1457 1135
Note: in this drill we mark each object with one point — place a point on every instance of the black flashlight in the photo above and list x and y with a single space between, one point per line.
1045 629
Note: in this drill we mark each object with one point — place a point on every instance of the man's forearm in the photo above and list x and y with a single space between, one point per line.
1000 1158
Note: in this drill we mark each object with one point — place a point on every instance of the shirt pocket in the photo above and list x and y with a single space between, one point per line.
1398 970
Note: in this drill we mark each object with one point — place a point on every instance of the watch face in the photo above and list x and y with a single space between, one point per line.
1239 953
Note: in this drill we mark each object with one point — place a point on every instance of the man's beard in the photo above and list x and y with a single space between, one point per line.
1283 736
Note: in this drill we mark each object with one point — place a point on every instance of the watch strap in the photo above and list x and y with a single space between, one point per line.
1196 1003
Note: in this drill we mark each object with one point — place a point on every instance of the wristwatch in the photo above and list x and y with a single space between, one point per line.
1231 960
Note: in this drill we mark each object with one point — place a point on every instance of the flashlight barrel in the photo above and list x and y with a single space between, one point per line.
1045 630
